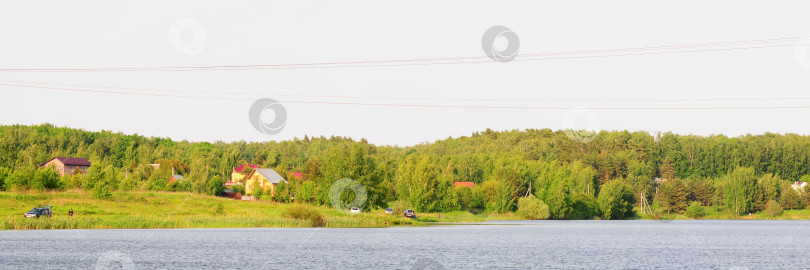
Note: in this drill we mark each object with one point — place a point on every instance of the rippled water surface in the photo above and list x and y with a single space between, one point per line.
732 244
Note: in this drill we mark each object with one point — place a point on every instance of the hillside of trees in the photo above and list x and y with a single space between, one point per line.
569 179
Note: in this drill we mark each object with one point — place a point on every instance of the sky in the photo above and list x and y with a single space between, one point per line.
735 88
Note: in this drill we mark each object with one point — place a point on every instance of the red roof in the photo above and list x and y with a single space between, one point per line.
77 161
297 175
466 184
241 168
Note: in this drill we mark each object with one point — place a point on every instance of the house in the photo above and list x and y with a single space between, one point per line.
799 186
464 184
239 174
176 177
66 165
266 178
659 180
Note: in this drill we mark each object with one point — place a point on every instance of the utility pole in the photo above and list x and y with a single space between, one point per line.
645 207
529 191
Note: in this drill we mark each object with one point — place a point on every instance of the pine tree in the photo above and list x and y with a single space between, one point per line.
667 171
672 196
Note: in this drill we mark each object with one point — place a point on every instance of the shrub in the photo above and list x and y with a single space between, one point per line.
257 191
214 186
773 209
219 210
3 175
584 207
400 206
238 189
616 200
695 210
46 178
302 212
790 199
102 192
19 179
533 208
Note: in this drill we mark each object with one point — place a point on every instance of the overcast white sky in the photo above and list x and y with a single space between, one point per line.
82 34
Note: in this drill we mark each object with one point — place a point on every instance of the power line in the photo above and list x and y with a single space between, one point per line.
422 105
445 60
399 98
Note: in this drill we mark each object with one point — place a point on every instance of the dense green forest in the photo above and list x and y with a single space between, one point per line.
545 172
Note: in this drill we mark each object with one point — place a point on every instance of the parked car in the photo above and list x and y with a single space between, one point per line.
410 214
355 210
389 211
44 211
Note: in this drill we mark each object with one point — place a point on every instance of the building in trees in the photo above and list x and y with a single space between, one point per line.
266 179
464 184
297 175
799 186
239 174
68 165
176 177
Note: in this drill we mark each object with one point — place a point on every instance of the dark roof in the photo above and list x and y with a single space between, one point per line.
77 161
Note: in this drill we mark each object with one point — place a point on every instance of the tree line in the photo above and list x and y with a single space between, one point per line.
547 170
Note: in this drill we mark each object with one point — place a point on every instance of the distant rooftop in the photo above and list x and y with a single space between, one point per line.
466 184
271 175
76 161
242 168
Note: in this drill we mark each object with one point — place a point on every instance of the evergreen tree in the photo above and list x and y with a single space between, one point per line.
672 196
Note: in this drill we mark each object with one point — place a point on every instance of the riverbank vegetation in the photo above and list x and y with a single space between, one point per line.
574 178
154 210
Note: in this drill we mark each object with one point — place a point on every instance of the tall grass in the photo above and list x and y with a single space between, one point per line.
147 210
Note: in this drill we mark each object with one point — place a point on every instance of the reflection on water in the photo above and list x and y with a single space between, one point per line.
732 244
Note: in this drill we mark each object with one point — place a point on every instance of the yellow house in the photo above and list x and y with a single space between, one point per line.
239 175
266 178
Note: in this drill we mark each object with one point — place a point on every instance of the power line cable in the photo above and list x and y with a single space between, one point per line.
436 61
423 105
408 98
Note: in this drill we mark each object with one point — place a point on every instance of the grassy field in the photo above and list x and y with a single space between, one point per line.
720 212
149 210
127 210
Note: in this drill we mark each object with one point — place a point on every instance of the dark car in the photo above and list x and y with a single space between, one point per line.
410 214
42 211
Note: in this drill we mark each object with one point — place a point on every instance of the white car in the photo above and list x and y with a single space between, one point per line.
355 210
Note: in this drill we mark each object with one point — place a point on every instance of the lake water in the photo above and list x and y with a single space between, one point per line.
704 244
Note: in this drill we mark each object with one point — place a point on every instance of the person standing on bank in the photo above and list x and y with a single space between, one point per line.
70 213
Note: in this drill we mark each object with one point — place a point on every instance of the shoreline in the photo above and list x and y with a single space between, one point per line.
173 210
